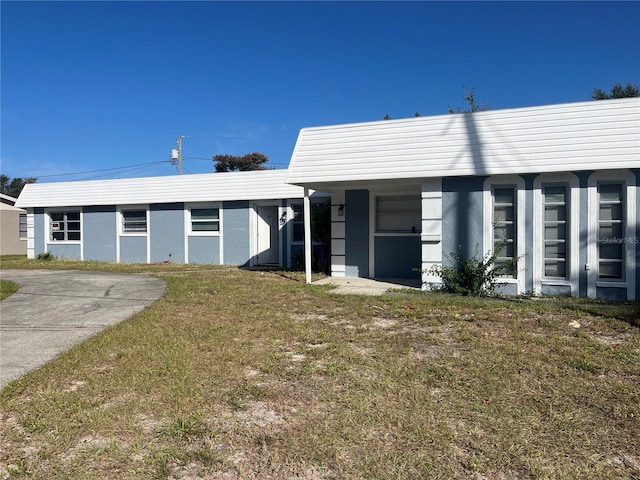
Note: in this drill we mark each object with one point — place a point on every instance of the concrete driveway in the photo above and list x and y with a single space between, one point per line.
55 309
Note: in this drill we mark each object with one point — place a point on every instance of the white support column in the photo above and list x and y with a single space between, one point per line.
307 235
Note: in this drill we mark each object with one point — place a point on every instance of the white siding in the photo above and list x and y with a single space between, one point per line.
211 187
590 135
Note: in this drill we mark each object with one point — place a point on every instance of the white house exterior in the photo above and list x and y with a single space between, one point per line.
558 184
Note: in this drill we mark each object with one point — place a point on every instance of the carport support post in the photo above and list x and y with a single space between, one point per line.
307 235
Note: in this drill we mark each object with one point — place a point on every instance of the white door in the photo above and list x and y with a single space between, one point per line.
268 235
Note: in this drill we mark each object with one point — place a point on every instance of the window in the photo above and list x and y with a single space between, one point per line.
297 223
65 226
398 214
554 198
205 219
134 221
611 235
23 225
504 230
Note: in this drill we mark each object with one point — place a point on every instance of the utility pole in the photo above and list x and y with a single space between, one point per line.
176 153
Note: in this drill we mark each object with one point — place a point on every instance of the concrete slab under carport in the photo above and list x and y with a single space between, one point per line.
366 286
55 309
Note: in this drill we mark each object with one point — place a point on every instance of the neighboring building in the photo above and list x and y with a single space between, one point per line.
13 227
240 218
558 184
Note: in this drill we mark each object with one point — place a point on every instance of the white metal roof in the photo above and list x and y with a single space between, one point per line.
575 136
255 185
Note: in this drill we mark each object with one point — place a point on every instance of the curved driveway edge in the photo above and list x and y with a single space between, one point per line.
55 309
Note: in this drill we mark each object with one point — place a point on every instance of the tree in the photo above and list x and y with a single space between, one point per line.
13 187
617 91
244 163
469 97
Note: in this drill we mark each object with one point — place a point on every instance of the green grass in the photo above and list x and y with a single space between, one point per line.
240 374
7 288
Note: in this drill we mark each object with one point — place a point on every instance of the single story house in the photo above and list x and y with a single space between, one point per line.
238 218
554 189
13 227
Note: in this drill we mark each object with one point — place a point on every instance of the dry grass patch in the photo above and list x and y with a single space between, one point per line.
254 375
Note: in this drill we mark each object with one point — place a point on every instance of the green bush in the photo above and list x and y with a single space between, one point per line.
45 256
476 276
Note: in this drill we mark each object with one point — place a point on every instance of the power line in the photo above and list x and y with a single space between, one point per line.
115 173
103 169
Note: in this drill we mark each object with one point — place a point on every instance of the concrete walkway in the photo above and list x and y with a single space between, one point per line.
55 309
364 286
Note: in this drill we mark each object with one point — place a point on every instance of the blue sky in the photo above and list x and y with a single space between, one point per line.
90 86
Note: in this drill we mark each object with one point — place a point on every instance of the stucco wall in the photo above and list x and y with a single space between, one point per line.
99 233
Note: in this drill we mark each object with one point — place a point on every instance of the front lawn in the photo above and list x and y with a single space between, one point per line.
255 375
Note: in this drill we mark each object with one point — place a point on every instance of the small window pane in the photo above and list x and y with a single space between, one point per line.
610 192
555 232
611 269
210 226
205 219
65 226
503 195
555 250
555 213
555 268
135 221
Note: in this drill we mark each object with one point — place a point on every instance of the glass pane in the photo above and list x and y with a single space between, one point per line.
205 213
504 214
555 194
611 251
74 236
611 211
297 212
58 235
210 226
298 232
555 250
611 192
610 233
555 268
73 225
504 195
505 268
57 217
555 232
73 215
610 269
503 232
555 213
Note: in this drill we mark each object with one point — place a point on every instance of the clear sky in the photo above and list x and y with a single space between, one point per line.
91 85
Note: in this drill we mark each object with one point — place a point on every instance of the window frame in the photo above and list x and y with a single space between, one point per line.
295 221
64 212
630 241
203 233
415 230
23 233
623 234
122 210
572 253
134 231
517 183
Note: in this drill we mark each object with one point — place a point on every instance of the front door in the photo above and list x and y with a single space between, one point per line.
268 235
